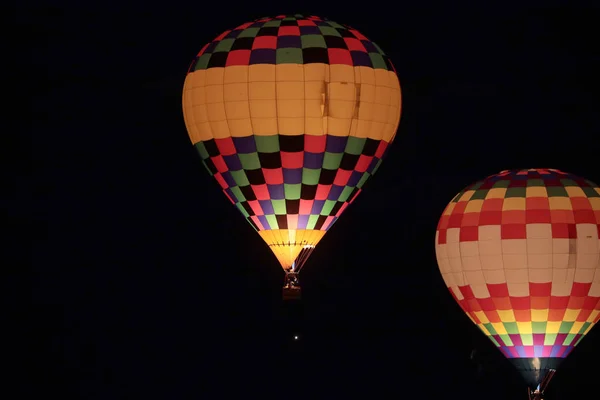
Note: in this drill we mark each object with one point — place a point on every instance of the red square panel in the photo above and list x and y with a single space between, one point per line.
315 143
264 42
288 31
273 176
339 56
292 160
238 57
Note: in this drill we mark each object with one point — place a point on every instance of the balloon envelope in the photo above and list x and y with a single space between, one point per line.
519 252
291 115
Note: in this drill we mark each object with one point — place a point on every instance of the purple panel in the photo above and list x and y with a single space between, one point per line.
317 207
538 339
276 192
210 48
336 144
233 162
567 350
516 339
361 59
538 351
245 145
263 220
335 192
313 160
267 207
263 56
289 42
233 34
354 178
292 176
231 195
229 179
302 221
372 165
505 351
555 350
321 23
369 46
521 351
310 30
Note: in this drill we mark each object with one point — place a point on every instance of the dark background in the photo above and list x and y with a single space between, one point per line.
148 284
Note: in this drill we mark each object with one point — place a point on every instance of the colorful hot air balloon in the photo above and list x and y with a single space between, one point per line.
520 253
291 115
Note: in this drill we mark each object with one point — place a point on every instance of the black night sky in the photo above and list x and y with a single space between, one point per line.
149 284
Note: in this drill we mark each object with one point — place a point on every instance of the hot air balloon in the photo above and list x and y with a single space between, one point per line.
291 115
520 254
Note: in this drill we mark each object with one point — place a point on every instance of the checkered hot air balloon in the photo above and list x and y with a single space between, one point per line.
520 253
291 115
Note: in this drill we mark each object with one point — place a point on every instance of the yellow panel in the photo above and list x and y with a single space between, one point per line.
313 126
595 202
263 109
513 203
215 76
560 203
260 73
482 317
506 315
571 315
235 92
449 209
367 94
293 108
474 206
484 330
314 91
220 129
214 93
367 75
553 326
338 126
262 91
576 328
524 327
536 191
593 316
376 131
290 126
237 110
289 73
539 315
264 126
499 328
341 73
290 90
287 244
466 195
382 78
236 74
383 95
316 73
575 191
240 127
216 112
195 79
496 193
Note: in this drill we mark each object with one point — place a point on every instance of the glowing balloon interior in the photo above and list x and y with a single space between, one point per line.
291 115
520 253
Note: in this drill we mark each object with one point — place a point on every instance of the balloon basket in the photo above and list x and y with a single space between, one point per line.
291 288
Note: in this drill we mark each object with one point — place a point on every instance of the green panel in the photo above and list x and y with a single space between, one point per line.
556 191
585 326
202 62
248 32
565 327
378 48
327 207
240 178
376 166
538 327
249 161
494 341
479 194
224 45
202 150
310 176
476 185
237 193
377 60
579 340
511 328
516 192
328 30
362 181
490 328
535 182
267 144
289 56
292 191
273 23
312 221
313 41
590 192
550 339
569 339
506 339
239 206
272 220
503 183
346 193
279 206
332 160
336 25
355 145
568 182
206 166
527 339
458 196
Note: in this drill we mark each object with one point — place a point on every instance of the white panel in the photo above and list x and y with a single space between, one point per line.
491 262
457 293
489 232
480 291
584 275
540 275
494 276
535 231
453 235
490 247
455 264
515 261
514 246
474 277
539 246
517 275
537 261
469 249
518 289
471 263
560 246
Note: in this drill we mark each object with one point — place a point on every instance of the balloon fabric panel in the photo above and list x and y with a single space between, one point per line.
291 115
520 252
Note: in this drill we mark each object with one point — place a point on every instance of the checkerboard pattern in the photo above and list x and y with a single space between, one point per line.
291 115
291 39
520 253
